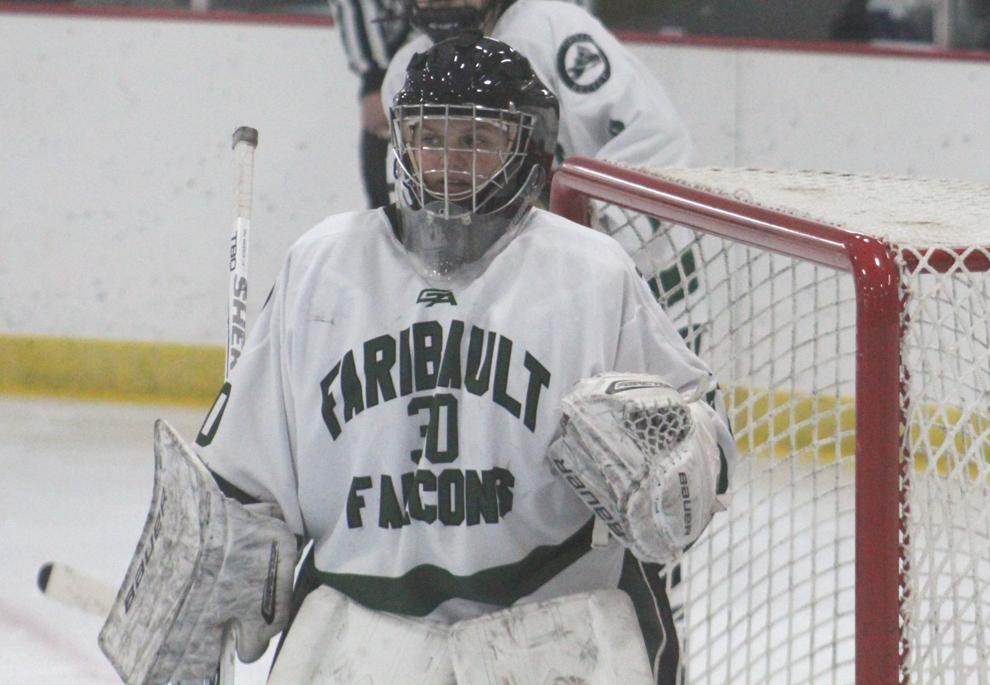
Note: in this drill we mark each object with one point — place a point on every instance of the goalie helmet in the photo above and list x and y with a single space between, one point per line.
474 131
441 19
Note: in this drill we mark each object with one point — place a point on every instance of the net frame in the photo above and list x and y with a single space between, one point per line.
881 537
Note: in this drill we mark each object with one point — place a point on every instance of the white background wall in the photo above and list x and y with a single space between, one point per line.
842 112
116 169
116 173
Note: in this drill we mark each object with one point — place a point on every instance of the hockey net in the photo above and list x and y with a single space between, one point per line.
846 318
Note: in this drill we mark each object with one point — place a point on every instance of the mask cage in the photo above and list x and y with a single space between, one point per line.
456 176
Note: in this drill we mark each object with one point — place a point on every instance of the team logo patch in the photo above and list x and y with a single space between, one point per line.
432 296
582 65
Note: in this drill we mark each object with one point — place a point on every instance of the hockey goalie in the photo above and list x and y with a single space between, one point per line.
474 414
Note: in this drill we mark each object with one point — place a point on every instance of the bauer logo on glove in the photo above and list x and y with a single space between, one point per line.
642 457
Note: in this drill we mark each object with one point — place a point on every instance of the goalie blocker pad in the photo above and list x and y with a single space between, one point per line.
204 562
590 638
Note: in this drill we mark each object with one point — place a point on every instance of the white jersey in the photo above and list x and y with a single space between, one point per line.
611 105
401 425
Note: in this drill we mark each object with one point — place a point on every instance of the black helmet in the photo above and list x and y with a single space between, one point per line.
474 131
445 21
484 81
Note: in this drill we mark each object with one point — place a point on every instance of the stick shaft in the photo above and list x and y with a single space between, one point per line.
76 589
71 587
245 141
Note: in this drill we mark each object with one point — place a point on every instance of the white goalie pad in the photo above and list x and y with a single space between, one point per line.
336 641
204 562
591 638
643 458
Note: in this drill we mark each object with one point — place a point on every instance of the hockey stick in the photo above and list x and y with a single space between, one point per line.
244 142
74 588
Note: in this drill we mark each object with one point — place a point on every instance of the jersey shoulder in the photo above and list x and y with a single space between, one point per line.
543 23
579 245
550 9
334 227
569 48
338 233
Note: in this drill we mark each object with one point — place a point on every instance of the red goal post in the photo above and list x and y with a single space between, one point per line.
846 319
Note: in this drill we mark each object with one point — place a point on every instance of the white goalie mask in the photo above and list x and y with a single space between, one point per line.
474 131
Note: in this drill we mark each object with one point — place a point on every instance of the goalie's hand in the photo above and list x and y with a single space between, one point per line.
642 457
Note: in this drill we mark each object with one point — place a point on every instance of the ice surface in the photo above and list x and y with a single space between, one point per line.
75 488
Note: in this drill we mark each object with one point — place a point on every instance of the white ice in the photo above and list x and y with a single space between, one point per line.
75 488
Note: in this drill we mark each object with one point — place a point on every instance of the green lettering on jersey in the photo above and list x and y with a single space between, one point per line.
450 367
428 357
350 387
439 407
379 358
479 362
390 513
328 402
504 482
481 497
539 377
450 497
355 502
410 498
424 481
427 348
405 363
501 392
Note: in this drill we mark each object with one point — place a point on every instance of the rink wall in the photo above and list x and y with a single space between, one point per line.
116 186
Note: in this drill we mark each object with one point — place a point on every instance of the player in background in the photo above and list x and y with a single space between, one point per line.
611 105
372 31
611 108
403 386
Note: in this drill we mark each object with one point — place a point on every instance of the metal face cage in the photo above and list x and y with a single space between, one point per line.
456 160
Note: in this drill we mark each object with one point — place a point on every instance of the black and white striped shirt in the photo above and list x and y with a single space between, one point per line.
371 31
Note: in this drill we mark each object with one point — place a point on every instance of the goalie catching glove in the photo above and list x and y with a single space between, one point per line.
643 458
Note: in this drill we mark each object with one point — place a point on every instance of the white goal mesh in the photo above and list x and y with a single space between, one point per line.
846 318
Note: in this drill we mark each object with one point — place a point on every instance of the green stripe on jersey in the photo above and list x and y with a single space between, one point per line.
424 588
